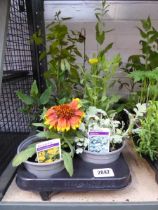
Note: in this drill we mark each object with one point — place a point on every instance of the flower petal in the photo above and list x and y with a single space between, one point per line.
61 126
79 113
74 104
67 125
75 122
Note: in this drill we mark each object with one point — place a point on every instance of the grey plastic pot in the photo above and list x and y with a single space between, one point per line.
41 170
105 158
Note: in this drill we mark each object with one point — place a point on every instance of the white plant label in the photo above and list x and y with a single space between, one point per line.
103 172
99 140
48 151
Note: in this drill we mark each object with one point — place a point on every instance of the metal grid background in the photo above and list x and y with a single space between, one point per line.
17 70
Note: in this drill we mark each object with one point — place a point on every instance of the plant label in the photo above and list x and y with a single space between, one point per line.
99 141
103 172
48 151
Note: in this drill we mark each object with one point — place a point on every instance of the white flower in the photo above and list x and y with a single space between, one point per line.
115 123
77 139
82 127
105 122
79 150
86 142
119 131
116 139
140 109
79 144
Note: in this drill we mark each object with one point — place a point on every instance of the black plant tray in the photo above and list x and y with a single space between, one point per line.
82 180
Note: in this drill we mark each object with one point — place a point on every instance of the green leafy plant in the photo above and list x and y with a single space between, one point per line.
62 53
147 60
148 132
140 67
149 84
100 14
95 83
95 80
34 102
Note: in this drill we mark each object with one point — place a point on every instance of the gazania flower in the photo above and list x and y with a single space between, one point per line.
64 117
93 61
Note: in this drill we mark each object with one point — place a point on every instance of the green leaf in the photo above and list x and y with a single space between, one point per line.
62 100
77 52
143 34
24 155
67 65
137 75
36 37
106 49
24 98
60 31
34 89
97 16
42 55
45 96
68 163
48 134
62 65
38 124
146 24
100 35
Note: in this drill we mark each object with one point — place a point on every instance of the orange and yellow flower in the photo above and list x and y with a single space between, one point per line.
65 116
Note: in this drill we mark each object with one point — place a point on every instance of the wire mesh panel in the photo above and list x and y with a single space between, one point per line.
17 72
17 75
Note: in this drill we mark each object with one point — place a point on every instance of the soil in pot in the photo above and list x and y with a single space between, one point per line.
115 147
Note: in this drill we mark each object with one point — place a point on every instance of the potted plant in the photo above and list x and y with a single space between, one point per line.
98 120
142 68
97 76
62 54
58 122
62 72
147 135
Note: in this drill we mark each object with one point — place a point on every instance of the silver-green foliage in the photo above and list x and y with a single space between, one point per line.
96 119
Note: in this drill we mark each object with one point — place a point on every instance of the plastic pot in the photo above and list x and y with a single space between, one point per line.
41 170
103 158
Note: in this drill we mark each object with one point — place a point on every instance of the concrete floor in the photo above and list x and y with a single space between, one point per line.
142 189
